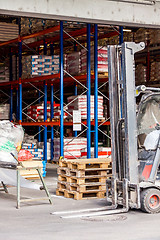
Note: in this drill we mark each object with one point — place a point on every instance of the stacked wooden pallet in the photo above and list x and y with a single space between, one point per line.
83 178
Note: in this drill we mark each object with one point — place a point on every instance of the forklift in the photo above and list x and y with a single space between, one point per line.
135 134
135 139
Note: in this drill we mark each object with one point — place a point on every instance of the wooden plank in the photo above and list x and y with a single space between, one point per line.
86 160
59 192
85 180
79 166
89 172
85 195
90 187
83 172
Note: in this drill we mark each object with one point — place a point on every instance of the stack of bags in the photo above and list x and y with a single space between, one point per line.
142 35
31 145
26 66
4 74
154 37
37 111
74 63
103 152
44 65
81 104
41 145
4 111
155 71
72 148
102 59
140 73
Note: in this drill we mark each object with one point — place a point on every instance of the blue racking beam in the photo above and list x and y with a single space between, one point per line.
20 84
75 93
52 108
52 116
96 91
39 128
45 119
121 35
88 92
11 103
10 79
17 104
52 49
61 91
45 47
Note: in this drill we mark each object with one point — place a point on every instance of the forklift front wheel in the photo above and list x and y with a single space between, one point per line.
150 200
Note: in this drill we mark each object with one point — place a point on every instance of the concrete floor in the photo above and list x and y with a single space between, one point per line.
34 221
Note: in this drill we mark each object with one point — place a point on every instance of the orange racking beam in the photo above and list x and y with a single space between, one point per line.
33 35
54 79
74 34
57 123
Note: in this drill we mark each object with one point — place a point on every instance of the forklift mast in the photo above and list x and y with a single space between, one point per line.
125 176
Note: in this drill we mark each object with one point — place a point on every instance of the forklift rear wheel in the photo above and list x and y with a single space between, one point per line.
150 200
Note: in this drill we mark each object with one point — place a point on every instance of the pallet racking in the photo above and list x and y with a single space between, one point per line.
58 81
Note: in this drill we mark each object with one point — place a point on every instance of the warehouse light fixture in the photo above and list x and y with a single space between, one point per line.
127 30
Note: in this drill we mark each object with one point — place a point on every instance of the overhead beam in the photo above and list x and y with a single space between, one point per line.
128 13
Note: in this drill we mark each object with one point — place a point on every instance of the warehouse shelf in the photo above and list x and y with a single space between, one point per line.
58 81
33 35
52 79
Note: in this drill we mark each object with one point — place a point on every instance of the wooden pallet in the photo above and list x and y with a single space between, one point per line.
84 195
83 180
90 187
59 192
80 196
83 173
79 164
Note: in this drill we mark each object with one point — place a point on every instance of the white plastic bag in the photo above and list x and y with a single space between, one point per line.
151 140
11 137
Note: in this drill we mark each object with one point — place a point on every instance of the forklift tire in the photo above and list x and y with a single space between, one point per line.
150 200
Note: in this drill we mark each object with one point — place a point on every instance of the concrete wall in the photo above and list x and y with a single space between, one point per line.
124 12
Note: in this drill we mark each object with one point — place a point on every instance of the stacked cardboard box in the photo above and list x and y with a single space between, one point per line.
80 103
72 147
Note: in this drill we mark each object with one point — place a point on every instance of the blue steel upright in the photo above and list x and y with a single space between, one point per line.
61 91
75 93
52 108
11 90
11 103
88 92
96 91
45 119
121 35
39 128
52 116
20 83
17 103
